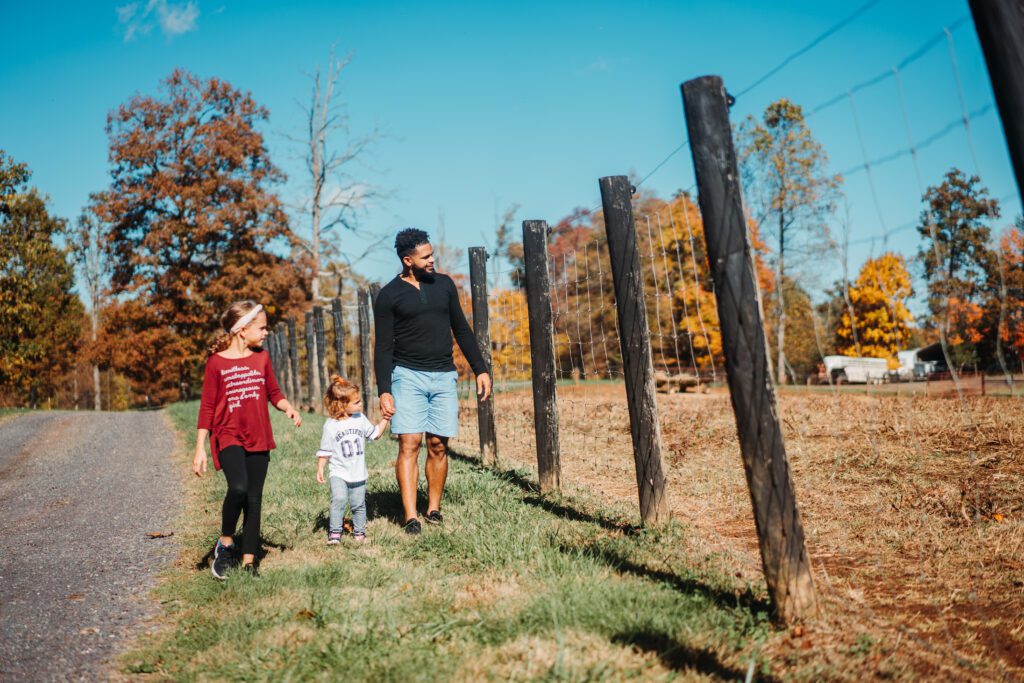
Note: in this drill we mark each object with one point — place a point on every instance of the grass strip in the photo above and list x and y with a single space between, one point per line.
513 586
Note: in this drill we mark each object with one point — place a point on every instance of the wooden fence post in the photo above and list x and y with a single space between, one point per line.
338 318
635 341
365 369
1000 27
311 363
293 348
481 327
542 354
286 365
321 346
787 567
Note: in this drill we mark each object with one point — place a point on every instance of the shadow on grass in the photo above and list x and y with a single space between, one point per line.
205 560
621 564
385 504
678 657
727 599
534 497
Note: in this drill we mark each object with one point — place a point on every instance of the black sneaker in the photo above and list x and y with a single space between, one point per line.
223 560
251 571
412 527
434 517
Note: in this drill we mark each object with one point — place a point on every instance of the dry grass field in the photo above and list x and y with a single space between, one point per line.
913 508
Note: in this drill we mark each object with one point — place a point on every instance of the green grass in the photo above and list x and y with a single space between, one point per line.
514 586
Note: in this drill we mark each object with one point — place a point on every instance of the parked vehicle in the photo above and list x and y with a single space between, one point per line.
850 370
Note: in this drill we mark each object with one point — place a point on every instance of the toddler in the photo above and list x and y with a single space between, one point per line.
343 447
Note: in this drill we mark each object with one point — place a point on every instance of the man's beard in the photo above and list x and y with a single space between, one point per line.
422 274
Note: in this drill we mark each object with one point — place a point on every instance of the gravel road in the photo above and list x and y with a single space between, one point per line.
79 492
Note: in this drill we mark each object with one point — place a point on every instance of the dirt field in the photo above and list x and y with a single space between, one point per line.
913 508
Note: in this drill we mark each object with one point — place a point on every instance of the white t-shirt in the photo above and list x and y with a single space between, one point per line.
343 441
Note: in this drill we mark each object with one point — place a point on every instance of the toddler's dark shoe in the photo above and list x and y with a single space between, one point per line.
412 527
251 571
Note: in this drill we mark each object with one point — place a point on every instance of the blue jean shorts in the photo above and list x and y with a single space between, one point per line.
425 401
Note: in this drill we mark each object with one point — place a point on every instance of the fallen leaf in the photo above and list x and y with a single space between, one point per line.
88 631
305 614
160 534
76 596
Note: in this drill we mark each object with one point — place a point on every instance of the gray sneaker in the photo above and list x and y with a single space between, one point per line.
223 560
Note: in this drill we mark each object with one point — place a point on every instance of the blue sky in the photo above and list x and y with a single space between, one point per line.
490 104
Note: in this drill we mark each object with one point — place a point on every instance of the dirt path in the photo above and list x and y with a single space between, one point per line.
79 492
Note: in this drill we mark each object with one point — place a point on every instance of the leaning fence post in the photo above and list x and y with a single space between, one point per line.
542 354
293 348
365 369
635 341
338 319
481 327
787 568
321 346
1000 27
311 363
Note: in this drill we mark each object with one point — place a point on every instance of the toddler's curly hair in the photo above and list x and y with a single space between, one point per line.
339 394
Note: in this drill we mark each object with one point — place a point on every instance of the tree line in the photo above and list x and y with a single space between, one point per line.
192 217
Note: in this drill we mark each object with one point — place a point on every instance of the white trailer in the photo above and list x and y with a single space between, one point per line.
847 369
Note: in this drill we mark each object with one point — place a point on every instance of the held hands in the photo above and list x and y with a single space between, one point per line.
483 386
387 406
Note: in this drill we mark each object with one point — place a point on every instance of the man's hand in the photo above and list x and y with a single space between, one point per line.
387 406
199 462
483 386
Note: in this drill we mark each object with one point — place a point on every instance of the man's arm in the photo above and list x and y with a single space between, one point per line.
467 342
384 351
384 342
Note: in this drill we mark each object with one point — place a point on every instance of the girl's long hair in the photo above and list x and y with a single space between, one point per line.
227 321
339 394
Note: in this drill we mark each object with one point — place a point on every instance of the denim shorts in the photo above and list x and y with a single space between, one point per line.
425 401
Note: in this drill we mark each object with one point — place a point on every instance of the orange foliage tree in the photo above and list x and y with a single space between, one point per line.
191 225
1009 301
880 322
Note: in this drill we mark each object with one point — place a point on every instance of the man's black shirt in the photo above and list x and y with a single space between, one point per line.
414 329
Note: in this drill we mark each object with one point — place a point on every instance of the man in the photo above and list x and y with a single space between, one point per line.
415 316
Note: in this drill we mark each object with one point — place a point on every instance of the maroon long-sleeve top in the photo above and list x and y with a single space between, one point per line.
234 403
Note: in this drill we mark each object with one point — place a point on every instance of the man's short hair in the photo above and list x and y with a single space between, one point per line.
407 240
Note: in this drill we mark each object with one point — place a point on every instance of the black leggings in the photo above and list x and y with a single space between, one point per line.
245 473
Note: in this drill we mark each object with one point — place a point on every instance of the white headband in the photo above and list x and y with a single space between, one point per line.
246 319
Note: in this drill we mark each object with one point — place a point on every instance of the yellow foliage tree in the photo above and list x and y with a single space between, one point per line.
880 315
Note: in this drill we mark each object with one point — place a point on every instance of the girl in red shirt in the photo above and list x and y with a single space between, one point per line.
238 384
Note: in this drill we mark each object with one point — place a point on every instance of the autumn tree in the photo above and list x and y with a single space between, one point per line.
1006 305
877 323
190 224
791 194
40 317
956 258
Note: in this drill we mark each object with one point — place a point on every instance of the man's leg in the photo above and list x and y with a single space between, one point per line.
408 472
437 469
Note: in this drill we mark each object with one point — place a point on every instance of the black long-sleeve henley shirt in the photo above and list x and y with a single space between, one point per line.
414 329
